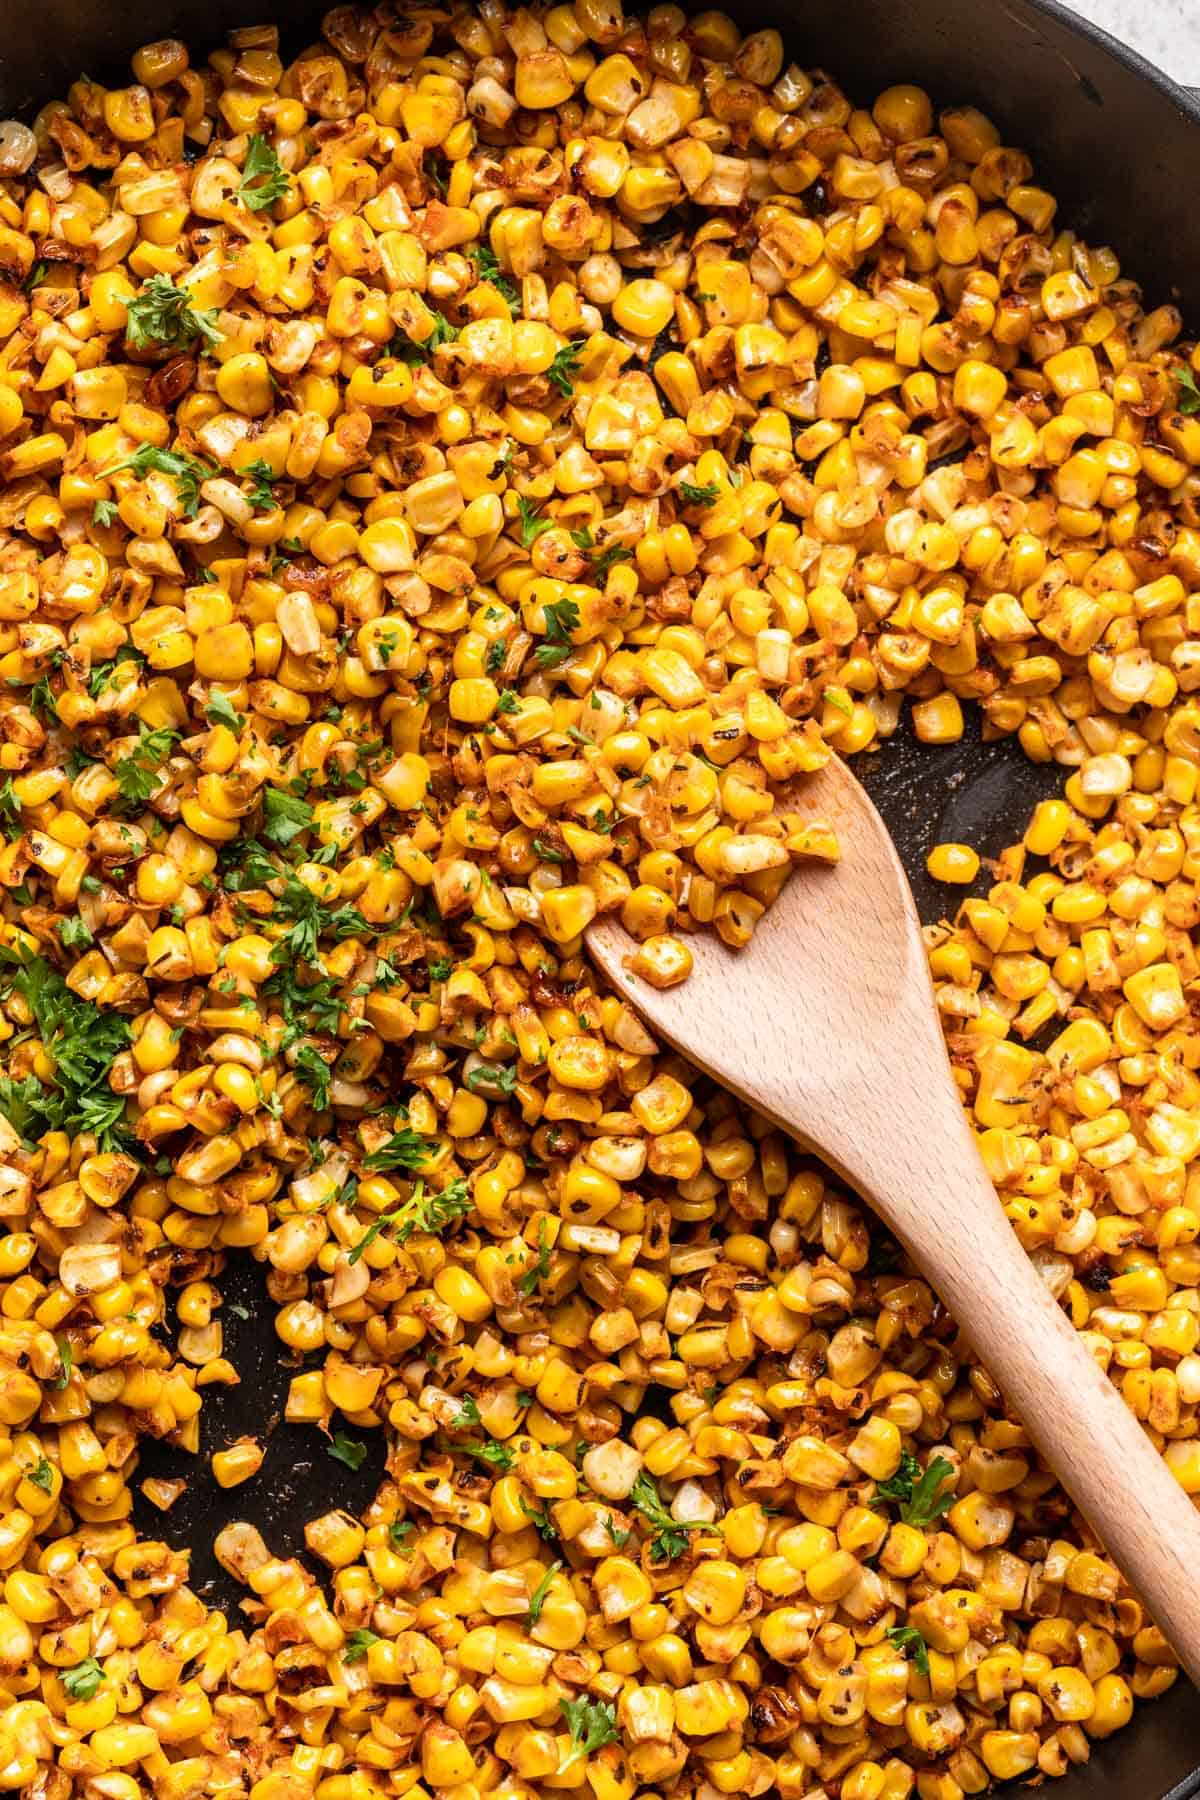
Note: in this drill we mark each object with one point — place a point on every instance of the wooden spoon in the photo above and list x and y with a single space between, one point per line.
826 1024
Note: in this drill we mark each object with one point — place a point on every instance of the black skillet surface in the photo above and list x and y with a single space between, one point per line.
1118 144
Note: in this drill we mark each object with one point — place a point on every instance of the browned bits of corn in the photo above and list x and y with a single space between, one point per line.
454 485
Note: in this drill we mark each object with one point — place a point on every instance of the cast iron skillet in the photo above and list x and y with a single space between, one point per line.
1118 143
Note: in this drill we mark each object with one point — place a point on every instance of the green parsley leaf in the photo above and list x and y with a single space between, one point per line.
285 816
426 1213
565 367
405 1149
264 178
691 495
669 1539
909 1639
104 512
74 934
139 775
316 1073
35 277
562 618
83 1681
488 269
591 1723
541 1518
1189 393
162 317
532 523
67 1357
497 1456
619 1537
41 1475
538 1598
399 1529
916 1495
494 660
509 701
440 968
347 1450
358 1643
497 1075
219 710
262 496
541 1268
406 349
188 472
82 1042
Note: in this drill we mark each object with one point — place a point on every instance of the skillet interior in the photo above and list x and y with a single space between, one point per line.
1115 142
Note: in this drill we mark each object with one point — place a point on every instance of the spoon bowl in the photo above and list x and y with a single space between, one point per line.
826 1024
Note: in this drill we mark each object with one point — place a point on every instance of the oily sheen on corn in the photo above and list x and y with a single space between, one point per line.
456 483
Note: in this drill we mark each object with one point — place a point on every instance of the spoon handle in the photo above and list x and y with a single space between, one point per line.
933 1189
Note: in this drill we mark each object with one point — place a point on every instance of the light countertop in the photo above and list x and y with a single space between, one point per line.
1167 32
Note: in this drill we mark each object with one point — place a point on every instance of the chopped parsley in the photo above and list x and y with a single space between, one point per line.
669 1538
104 512
219 710
488 269
264 178
427 1213
1188 398
691 495
358 1643
41 1475
187 471
139 775
562 618
541 1268
909 1639
532 523
162 317
405 1149
262 495
915 1494
538 1598
347 1450
83 1043
562 371
495 1074
592 1724
83 1681
74 934
285 816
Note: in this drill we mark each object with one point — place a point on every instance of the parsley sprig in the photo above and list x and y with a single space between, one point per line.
1188 398
83 1043
562 618
187 471
591 1723
405 1149
427 1213
915 1494
162 317
538 1598
264 178
909 1639
262 496
83 1681
670 1535
563 370
139 775
489 270
691 495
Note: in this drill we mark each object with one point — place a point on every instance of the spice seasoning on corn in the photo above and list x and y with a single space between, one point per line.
457 483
